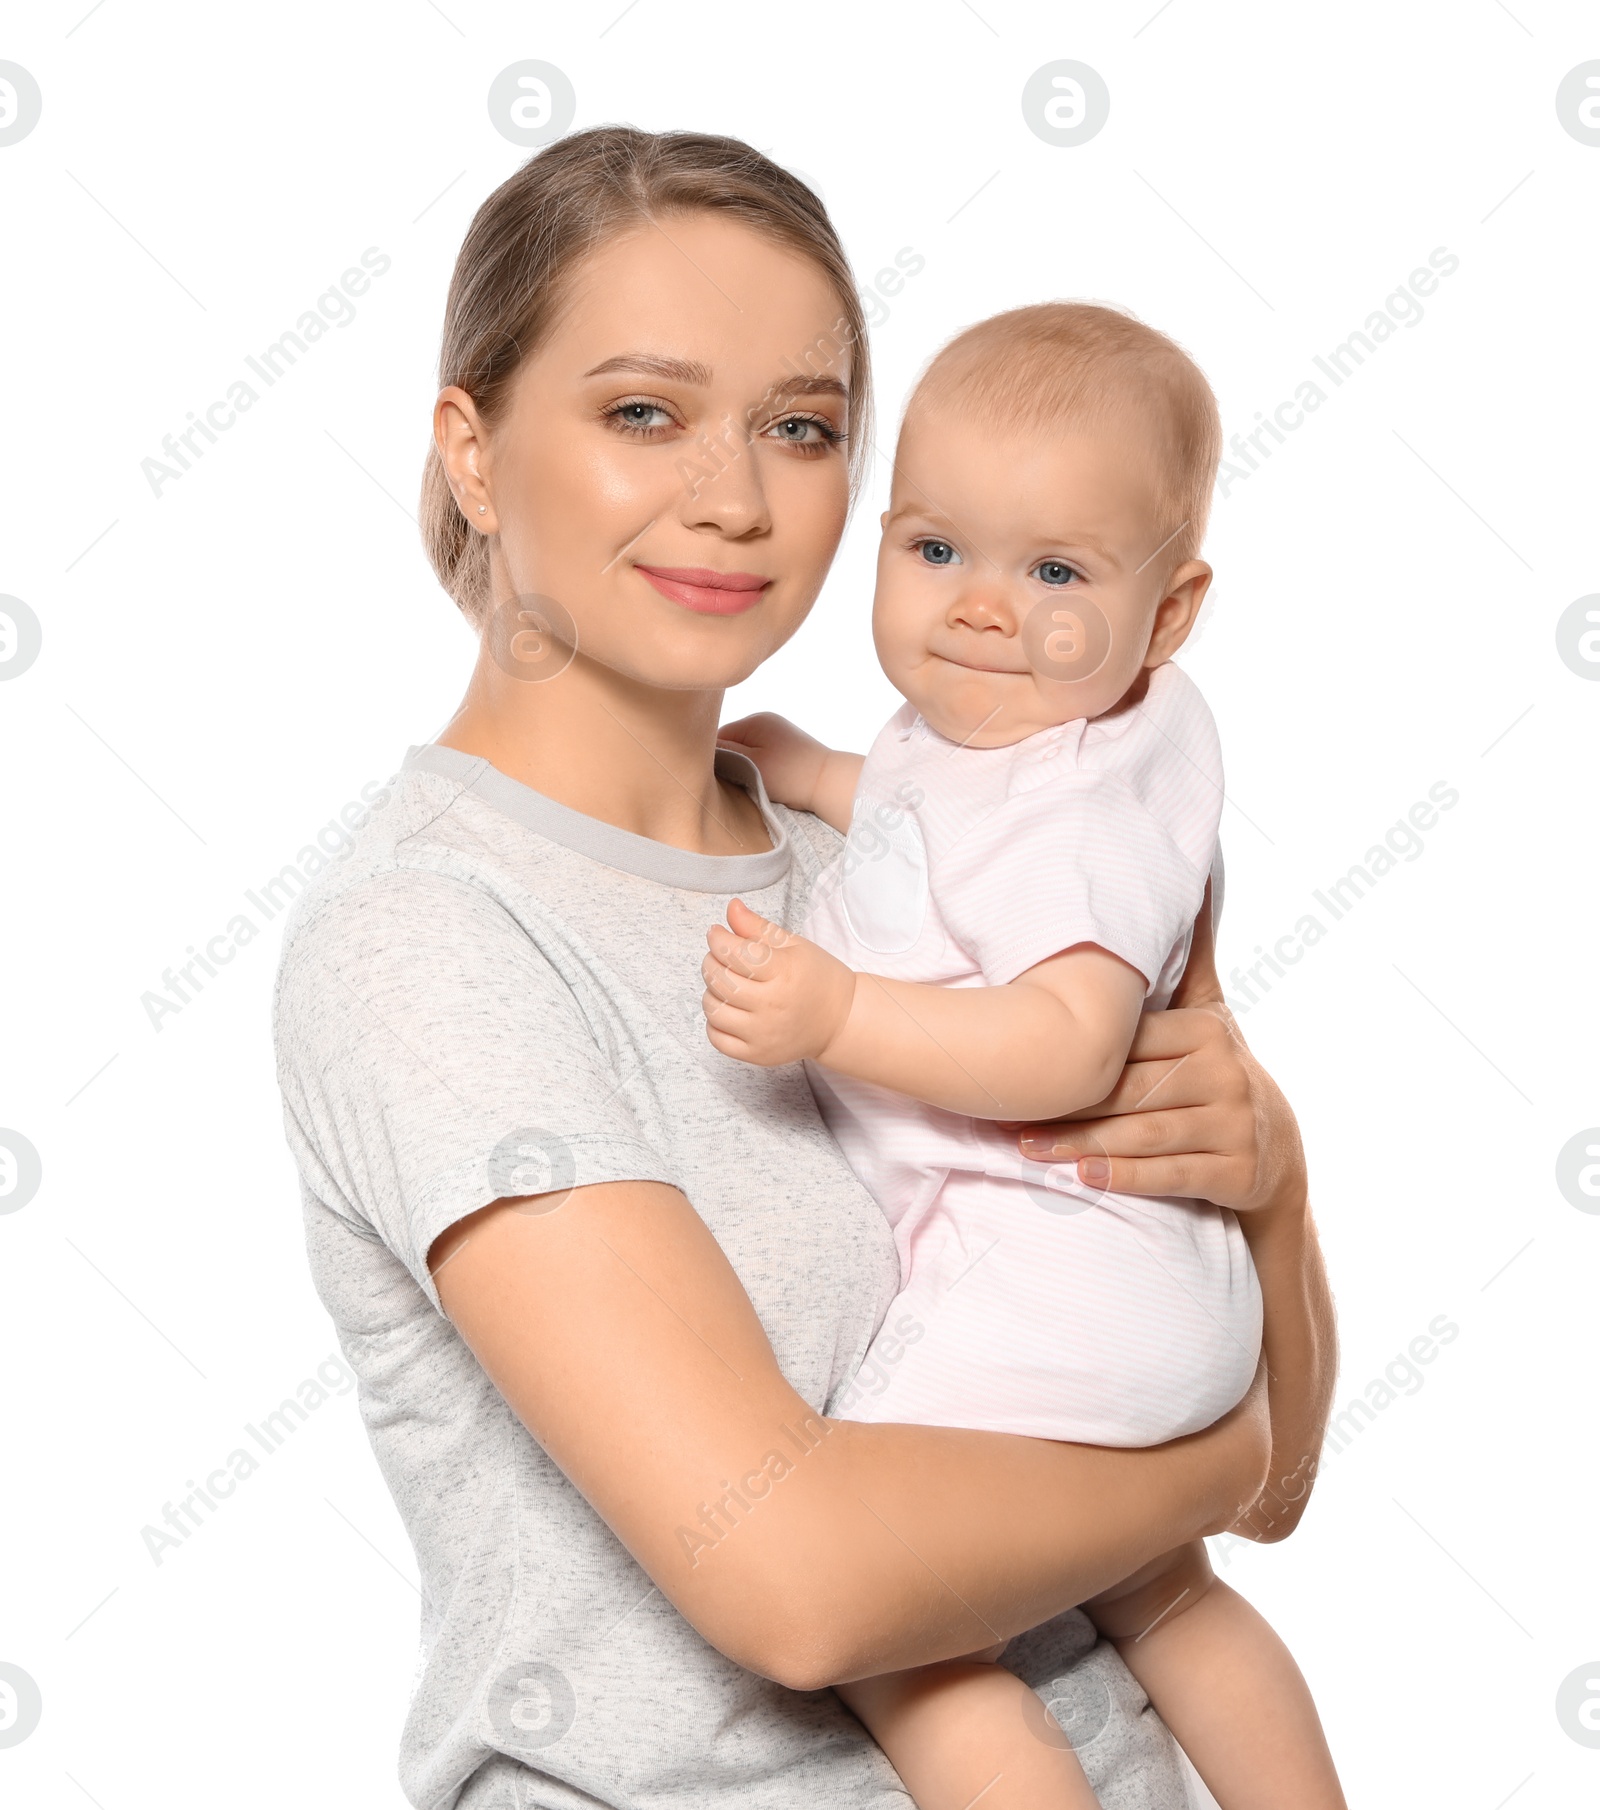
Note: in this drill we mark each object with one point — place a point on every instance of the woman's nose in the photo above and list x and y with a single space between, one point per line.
722 486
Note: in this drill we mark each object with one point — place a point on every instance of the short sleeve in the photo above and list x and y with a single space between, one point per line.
1080 860
432 1060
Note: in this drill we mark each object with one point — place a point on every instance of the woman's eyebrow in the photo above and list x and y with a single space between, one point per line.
688 370
809 386
653 364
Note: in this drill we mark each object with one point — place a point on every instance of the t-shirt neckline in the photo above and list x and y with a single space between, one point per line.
605 842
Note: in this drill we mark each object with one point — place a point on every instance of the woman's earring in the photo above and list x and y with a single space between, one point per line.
483 509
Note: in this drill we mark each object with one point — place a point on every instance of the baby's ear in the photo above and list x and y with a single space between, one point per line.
1177 611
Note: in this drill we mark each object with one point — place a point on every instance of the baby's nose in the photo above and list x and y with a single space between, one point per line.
985 614
984 607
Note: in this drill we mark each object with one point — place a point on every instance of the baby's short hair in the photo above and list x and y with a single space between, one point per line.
1059 363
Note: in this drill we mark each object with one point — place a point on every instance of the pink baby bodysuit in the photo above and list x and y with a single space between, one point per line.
1030 1302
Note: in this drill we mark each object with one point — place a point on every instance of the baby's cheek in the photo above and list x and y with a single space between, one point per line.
903 613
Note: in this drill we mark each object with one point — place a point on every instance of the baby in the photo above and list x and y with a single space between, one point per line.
1029 842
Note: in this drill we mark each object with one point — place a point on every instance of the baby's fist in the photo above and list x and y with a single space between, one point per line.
771 997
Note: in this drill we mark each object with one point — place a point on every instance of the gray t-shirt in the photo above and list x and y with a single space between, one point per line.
492 994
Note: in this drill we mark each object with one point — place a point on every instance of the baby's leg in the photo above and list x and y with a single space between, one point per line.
1223 1682
967 1732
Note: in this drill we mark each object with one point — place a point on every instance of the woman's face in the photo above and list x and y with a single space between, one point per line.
671 471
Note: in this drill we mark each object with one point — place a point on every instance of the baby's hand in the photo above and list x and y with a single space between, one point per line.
771 997
791 761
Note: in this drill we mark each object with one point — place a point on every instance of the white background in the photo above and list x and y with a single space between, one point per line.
224 666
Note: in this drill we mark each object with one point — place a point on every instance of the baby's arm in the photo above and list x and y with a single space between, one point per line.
796 768
1050 1041
1223 1682
966 1731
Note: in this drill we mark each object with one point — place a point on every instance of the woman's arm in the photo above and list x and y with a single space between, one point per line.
811 1550
1195 1115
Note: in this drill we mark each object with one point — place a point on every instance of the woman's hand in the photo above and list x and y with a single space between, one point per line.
1193 1115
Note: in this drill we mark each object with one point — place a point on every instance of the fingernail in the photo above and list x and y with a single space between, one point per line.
1035 1143
1094 1170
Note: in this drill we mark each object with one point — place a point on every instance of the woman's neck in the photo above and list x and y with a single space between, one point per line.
628 754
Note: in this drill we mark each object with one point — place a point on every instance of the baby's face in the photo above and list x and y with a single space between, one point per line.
1022 575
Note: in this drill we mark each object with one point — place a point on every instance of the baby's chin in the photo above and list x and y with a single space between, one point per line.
978 711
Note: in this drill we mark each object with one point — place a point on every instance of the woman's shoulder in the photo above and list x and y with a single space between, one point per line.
371 862
808 834
415 883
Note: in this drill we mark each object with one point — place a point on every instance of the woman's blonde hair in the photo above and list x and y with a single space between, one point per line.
527 239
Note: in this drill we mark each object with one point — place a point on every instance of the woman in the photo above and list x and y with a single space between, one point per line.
599 1283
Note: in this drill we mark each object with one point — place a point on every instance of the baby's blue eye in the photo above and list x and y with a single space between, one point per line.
938 552
1052 571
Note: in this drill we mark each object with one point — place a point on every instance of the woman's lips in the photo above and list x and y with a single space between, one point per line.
707 592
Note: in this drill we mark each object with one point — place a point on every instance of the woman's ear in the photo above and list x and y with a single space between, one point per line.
462 440
1176 612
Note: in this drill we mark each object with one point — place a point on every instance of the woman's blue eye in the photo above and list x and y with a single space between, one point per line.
1052 571
938 552
637 414
808 433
